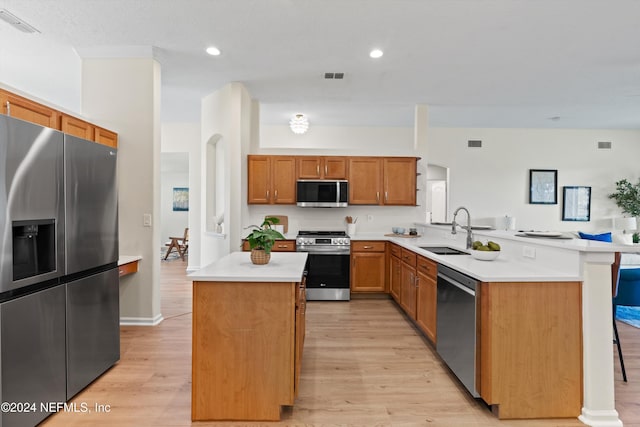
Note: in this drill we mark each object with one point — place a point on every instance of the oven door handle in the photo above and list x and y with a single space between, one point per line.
327 251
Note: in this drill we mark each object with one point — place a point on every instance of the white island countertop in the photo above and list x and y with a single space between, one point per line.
237 267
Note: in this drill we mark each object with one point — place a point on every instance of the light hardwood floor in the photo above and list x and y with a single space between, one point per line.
364 365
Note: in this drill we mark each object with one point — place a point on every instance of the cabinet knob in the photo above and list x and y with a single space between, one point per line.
275 194
267 195
8 108
326 170
367 247
386 196
377 197
318 170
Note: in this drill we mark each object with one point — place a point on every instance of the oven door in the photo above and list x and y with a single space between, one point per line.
328 277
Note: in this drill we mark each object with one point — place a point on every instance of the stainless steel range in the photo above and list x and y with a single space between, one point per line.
328 265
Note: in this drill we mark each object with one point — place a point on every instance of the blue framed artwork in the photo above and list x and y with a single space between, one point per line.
180 198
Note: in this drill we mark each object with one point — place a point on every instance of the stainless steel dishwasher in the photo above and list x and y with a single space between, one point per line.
456 325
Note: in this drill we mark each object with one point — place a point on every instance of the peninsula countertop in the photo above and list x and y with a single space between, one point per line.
237 267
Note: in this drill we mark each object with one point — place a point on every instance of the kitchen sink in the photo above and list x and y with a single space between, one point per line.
443 250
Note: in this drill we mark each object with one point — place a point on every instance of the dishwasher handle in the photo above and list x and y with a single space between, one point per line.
457 284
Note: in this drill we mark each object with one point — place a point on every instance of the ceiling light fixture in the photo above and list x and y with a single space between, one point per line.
376 53
213 51
299 124
12 19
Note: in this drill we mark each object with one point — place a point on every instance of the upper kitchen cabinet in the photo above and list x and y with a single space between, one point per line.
313 167
76 127
399 181
365 180
271 180
27 110
382 181
106 137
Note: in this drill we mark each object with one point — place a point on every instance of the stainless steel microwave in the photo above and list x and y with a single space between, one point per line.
322 193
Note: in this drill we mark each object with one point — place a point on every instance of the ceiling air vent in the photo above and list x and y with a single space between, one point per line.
604 145
9 17
474 143
334 76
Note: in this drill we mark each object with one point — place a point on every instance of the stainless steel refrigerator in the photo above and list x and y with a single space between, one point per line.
91 257
59 297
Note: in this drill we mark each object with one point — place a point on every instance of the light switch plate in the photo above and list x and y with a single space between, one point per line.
146 220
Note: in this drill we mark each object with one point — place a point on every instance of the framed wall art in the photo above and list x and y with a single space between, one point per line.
576 203
543 185
180 198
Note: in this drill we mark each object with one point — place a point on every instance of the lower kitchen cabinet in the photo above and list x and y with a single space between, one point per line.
427 297
530 349
408 282
395 272
368 266
278 246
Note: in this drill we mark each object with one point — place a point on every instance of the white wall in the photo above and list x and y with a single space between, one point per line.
41 69
493 181
124 95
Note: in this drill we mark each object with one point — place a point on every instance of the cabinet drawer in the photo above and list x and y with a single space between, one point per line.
427 267
395 250
284 246
128 268
363 246
408 257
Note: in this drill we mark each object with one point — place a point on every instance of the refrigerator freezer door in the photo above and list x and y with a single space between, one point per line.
93 328
31 185
91 205
33 353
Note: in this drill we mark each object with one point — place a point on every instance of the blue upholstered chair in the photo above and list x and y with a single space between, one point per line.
626 293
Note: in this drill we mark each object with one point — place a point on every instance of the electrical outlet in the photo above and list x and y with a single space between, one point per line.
146 220
528 252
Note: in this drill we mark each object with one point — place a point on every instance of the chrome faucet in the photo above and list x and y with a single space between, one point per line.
468 227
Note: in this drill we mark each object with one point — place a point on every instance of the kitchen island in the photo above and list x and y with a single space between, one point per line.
248 334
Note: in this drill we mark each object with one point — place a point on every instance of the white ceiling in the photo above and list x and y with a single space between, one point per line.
475 63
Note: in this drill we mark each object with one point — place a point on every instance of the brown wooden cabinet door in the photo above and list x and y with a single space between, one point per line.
30 111
399 181
309 167
259 180
300 326
365 180
408 289
367 271
395 277
427 298
76 127
335 168
283 180
106 137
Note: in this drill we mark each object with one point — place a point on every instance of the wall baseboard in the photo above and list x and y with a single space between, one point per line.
141 321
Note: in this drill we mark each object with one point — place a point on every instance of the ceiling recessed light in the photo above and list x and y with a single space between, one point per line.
213 51
376 53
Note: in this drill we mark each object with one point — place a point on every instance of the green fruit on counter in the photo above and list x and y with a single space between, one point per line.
483 248
493 246
476 244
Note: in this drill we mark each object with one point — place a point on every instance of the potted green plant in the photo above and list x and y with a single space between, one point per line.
627 197
261 240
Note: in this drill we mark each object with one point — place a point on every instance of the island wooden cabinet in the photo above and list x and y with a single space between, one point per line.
278 246
318 167
22 108
395 271
408 282
427 296
271 180
247 347
382 181
368 266
530 348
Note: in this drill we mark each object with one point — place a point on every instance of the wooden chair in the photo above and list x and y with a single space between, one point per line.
180 244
